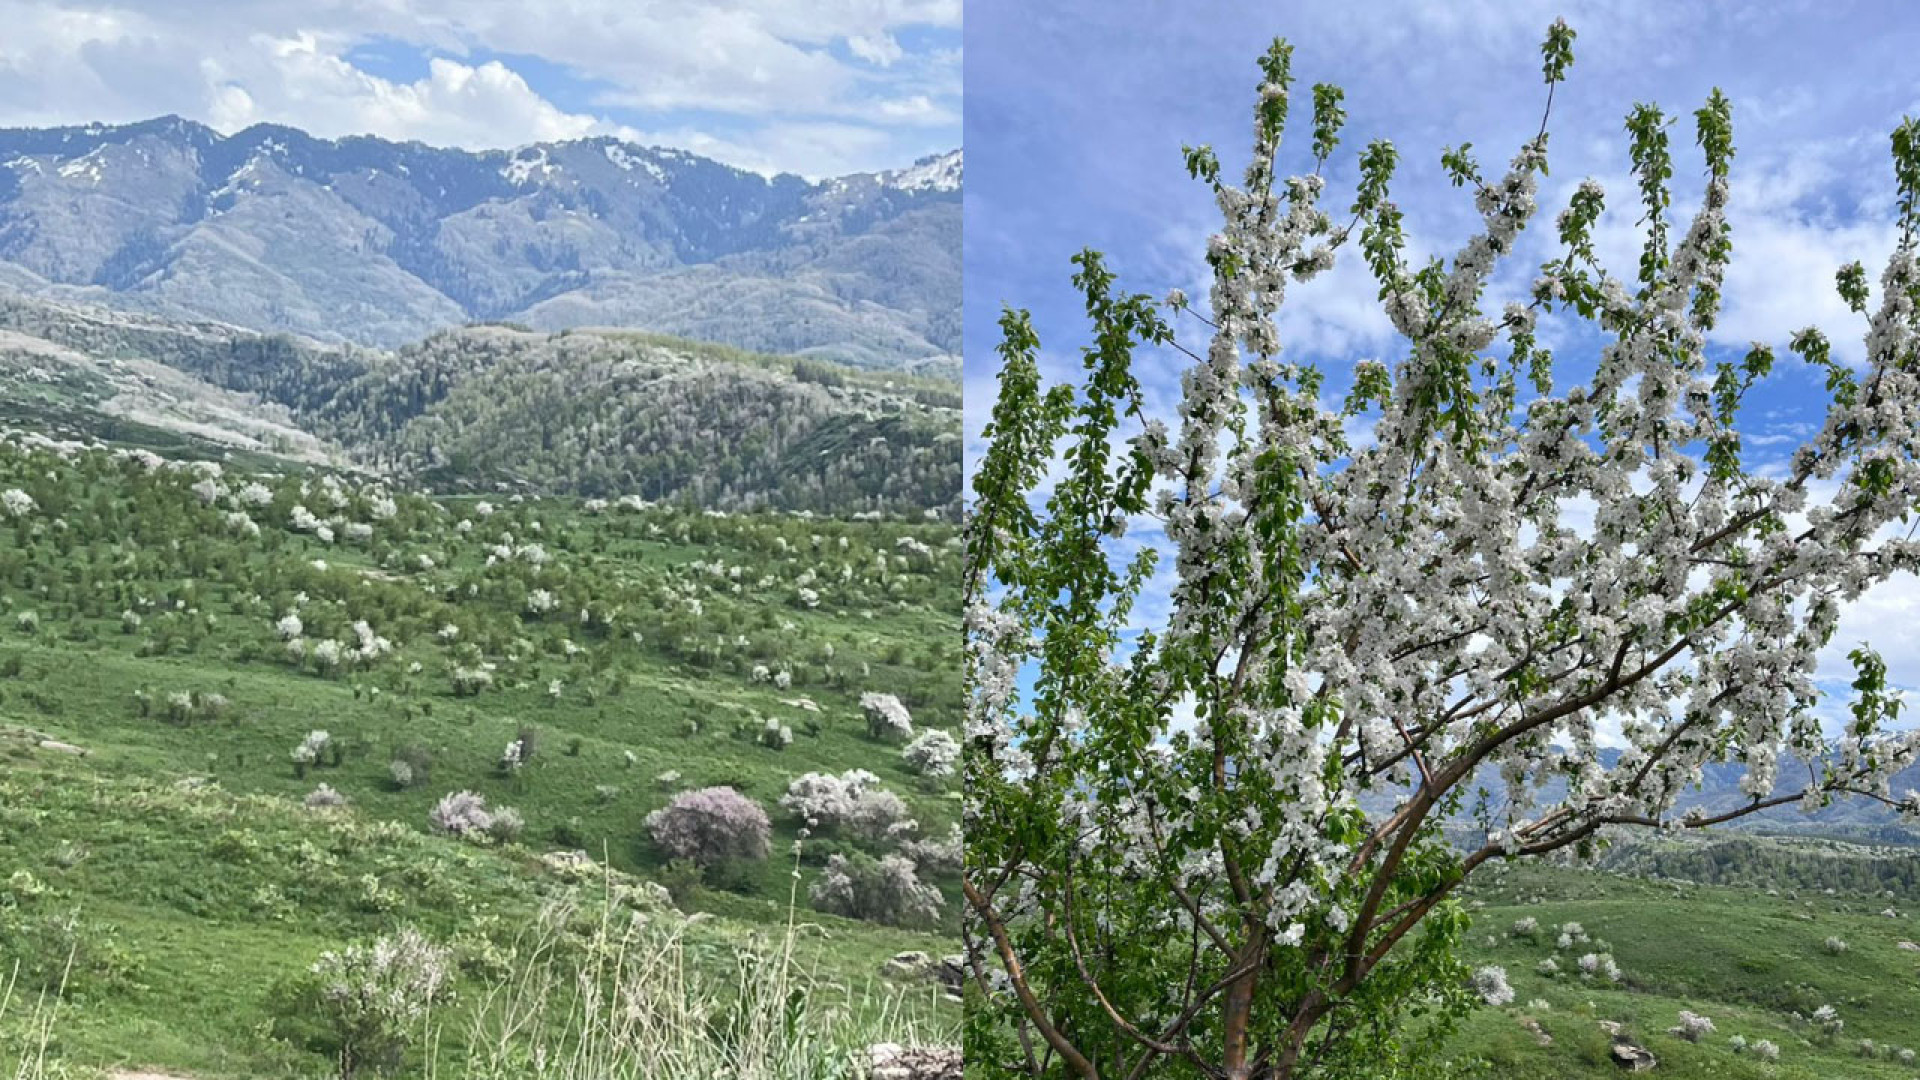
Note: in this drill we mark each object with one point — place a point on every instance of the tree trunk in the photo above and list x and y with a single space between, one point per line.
1239 1008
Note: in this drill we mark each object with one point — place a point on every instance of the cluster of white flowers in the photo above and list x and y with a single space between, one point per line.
16 503
467 815
932 753
468 681
1692 1027
1493 581
887 718
1599 964
381 991
1827 1019
325 797
853 801
310 749
369 645
327 654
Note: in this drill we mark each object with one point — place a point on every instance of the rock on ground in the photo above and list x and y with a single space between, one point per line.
1631 1057
891 1061
948 971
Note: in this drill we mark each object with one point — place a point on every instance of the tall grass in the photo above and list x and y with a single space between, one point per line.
621 999
598 991
23 1055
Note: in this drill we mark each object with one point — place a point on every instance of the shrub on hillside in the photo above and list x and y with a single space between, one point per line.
887 718
367 1001
312 750
854 802
1490 986
411 766
325 797
936 855
1692 1027
886 890
932 753
466 815
711 826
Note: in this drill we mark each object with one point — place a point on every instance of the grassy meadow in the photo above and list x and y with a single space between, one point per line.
170 868
1756 963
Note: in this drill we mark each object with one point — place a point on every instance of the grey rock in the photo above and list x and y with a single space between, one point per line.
1631 1056
891 1061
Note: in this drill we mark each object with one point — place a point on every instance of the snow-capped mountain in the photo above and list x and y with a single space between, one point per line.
362 239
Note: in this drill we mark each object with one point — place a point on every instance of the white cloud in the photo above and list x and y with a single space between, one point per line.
790 84
455 104
1887 618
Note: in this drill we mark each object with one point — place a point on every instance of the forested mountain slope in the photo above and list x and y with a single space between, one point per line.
492 408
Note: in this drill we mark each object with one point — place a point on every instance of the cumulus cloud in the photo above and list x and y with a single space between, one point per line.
455 104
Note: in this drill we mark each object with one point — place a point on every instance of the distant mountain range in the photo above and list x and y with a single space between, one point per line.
373 242
1719 792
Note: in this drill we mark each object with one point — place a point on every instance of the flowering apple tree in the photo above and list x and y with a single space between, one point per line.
1216 849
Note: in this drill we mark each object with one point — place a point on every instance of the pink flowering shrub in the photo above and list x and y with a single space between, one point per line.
711 826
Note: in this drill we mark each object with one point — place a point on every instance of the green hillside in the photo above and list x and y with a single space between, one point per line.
1755 961
172 633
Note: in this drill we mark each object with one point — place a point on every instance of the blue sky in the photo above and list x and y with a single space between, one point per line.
819 88
1075 117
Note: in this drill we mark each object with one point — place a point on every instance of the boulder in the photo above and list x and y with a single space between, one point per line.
949 971
892 1061
1632 1057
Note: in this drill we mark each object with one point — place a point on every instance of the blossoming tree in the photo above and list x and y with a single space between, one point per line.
1216 850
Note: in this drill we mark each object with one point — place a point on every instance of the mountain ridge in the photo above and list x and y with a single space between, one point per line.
369 241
